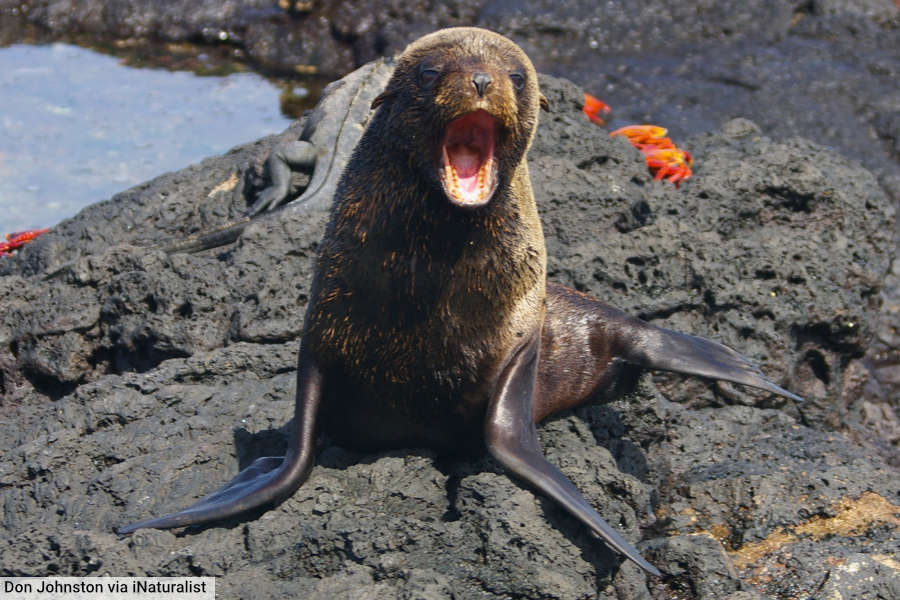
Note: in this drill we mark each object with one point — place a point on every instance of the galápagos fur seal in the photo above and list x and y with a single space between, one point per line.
430 320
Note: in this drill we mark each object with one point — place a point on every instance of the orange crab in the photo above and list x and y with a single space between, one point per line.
594 108
663 157
16 240
644 135
673 164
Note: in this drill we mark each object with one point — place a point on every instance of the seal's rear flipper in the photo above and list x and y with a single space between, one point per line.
268 479
667 350
511 438
592 338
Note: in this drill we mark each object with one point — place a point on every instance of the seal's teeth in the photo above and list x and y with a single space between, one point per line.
479 185
484 174
452 179
467 172
482 178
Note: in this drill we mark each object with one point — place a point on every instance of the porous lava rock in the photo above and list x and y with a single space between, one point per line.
136 381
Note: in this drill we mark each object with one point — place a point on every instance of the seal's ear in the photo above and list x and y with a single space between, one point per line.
544 104
380 99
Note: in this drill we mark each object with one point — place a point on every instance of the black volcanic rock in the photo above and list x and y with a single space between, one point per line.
138 381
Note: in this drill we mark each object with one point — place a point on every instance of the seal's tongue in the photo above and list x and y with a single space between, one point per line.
468 172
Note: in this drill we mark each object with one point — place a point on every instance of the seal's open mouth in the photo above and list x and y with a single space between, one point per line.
468 167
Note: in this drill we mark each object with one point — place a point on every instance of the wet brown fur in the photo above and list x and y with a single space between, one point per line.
418 304
432 324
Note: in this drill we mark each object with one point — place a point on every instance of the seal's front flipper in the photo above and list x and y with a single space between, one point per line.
268 479
658 348
511 438
233 498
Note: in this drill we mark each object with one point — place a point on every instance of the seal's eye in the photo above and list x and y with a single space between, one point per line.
518 80
428 76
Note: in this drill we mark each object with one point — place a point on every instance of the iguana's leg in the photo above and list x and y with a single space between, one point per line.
285 158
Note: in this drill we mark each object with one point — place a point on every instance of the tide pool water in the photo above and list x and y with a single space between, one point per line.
77 127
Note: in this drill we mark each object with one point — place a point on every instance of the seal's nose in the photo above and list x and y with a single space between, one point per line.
481 81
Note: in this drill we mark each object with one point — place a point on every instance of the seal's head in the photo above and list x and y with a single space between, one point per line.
473 96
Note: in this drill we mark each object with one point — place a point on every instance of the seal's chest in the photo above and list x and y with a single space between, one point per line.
422 387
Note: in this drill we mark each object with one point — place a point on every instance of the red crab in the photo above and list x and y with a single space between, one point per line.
663 157
16 240
673 164
645 135
593 108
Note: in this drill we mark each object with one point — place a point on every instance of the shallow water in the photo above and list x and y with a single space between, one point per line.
77 127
